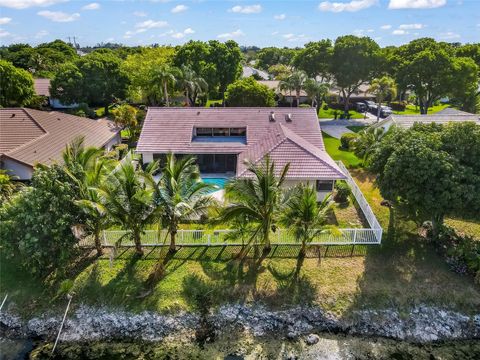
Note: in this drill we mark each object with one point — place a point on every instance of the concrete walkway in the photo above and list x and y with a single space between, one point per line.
338 127
335 131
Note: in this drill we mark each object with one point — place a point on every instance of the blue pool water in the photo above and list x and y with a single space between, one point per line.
218 182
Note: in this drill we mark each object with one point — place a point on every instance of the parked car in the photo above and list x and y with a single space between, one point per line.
370 104
361 107
385 111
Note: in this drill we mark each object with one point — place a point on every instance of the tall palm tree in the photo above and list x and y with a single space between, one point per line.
316 91
127 196
287 85
191 84
303 215
296 82
78 157
381 88
256 199
366 142
180 194
166 76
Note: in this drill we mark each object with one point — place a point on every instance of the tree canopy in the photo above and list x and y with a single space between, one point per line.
16 85
249 92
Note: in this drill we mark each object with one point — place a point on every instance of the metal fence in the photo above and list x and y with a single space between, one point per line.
353 236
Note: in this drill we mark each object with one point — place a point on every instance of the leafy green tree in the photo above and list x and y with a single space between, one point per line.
464 87
304 216
280 71
36 223
423 172
382 88
256 199
7 185
269 56
227 59
165 76
16 85
181 195
67 85
127 196
248 92
126 116
354 62
316 91
19 55
191 84
315 59
59 46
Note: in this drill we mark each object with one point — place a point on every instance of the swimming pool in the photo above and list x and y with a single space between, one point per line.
217 181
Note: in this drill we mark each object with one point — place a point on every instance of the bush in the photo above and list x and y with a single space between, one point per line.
347 139
398 105
304 105
83 110
342 192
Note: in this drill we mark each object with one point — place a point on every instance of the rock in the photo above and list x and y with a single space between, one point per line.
312 339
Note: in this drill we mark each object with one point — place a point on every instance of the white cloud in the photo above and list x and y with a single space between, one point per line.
24 4
140 13
91 6
150 24
59 16
293 37
449 35
4 33
247 9
280 17
411 26
189 31
416 4
5 20
361 32
386 27
179 35
399 32
41 34
179 8
351 6
231 35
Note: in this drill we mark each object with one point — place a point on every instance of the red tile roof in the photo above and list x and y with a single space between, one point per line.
42 87
298 142
34 136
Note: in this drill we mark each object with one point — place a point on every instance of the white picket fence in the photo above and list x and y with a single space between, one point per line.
353 236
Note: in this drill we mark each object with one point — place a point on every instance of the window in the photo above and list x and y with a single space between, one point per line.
220 132
203 132
238 132
324 185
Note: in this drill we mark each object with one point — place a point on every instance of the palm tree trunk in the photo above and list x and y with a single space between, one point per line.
297 95
378 111
266 238
187 98
138 243
303 248
166 93
98 243
173 246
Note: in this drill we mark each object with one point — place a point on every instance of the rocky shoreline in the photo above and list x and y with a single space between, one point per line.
421 325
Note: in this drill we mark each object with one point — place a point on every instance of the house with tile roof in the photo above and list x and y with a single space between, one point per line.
224 139
29 137
42 88
448 115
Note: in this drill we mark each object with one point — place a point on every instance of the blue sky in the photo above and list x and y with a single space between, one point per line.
261 23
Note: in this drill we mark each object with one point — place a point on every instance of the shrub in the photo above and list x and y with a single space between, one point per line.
342 192
84 111
398 105
347 139
304 106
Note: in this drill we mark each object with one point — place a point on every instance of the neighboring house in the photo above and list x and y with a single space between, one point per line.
28 137
42 88
360 94
288 95
248 71
443 117
222 139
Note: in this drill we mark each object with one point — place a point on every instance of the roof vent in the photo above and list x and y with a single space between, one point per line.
198 113
272 116
288 117
13 115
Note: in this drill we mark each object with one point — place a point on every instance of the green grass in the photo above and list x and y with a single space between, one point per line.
470 227
356 128
212 102
329 114
332 146
413 110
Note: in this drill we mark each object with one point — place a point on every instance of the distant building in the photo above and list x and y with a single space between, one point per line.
29 137
222 139
248 71
42 88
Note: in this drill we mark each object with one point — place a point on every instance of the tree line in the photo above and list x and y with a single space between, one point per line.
198 71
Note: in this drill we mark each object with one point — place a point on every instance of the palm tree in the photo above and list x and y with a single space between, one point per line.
316 91
366 142
127 196
287 85
126 116
181 195
165 75
192 84
256 199
296 82
382 88
7 185
303 215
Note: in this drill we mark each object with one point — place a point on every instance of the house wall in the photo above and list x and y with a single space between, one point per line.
312 182
116 140
56 104
17 169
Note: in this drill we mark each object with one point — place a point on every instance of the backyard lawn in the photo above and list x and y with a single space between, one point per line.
332 145
415 110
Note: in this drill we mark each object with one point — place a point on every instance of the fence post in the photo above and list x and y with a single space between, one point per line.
208 240
355 236
104 238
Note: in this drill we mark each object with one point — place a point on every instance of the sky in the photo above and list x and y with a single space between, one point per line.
259 23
